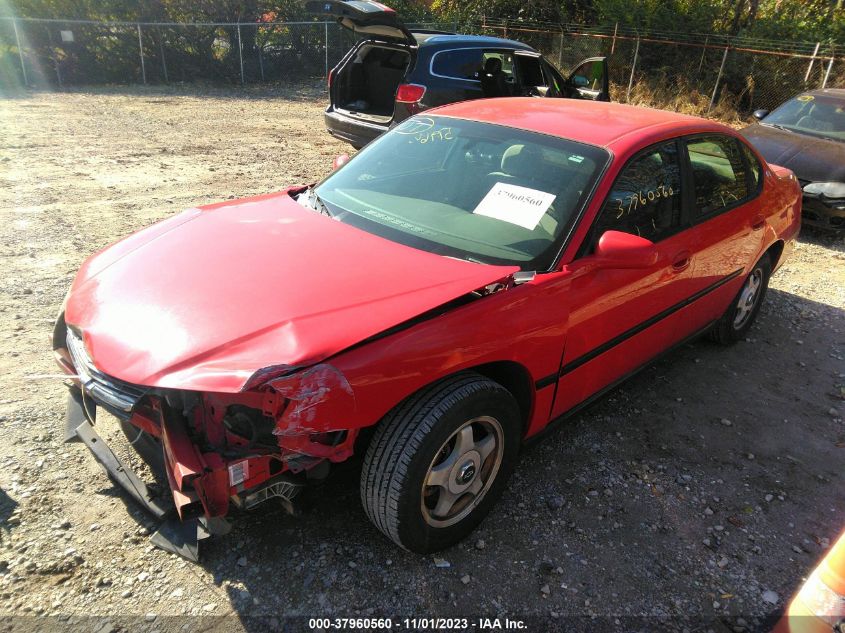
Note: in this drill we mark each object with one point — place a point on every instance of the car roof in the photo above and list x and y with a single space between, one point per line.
610 125
451 39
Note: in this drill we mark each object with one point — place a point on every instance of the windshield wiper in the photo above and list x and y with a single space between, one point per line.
316 203
322 207
779 126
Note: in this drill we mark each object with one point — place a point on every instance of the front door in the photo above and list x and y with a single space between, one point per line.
591 79
622 318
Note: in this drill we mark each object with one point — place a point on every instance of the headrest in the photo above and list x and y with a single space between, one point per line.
492 65
520 161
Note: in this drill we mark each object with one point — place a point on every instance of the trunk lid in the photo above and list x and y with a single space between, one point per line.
204 299
365 18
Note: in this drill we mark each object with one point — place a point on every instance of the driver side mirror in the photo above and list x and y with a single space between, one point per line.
340 161
580 81
760 114
623 250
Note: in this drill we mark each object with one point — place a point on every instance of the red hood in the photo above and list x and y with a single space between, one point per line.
204 299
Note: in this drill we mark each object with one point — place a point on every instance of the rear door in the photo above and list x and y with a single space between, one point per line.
365 18
530 80
725 213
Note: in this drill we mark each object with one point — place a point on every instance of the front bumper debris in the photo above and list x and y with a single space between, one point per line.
201 484
178 537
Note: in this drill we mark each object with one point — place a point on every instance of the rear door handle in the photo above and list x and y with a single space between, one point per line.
680 261
758 222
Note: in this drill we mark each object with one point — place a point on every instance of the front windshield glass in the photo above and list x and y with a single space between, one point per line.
818 115
465 189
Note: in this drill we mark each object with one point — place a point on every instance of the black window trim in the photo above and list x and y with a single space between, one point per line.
746 149
591 239
752 192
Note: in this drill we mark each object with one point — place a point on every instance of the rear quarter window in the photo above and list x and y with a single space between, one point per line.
462 63
754 166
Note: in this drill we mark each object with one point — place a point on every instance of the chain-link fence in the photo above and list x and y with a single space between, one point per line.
694 73
59 53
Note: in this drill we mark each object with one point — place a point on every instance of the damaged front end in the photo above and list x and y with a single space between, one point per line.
212 450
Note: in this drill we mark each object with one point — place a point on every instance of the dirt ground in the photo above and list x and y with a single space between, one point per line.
702 491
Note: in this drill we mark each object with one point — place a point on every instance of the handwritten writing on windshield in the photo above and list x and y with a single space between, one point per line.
641 198
432 136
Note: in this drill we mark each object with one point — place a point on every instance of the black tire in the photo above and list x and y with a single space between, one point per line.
410 440
733 325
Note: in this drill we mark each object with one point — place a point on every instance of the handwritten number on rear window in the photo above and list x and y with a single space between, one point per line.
632 202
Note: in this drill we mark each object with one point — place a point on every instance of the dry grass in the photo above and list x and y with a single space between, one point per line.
679 96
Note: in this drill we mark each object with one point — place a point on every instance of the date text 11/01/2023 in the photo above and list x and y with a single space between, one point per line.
417 624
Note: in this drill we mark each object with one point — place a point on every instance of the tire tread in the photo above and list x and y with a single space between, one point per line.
398 439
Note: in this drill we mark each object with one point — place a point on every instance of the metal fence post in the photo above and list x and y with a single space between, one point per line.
141 50
20 52
827 73
241 53
53 55
560 51
161 52
703 53
812 59
326 62
633 68
718 79
260 60
613 43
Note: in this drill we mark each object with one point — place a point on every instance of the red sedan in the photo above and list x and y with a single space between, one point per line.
470 277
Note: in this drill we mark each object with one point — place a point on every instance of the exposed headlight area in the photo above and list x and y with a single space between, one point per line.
824 204
117 396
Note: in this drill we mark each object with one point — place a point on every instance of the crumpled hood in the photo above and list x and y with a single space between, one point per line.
811 158
206 298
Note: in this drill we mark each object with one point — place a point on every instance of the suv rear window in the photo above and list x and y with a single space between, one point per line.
461 63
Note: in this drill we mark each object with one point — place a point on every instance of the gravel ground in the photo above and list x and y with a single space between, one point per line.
706 487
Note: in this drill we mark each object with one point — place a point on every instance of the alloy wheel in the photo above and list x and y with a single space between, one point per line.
462 471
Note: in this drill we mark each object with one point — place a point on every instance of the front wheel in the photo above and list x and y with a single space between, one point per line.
439 461
737 319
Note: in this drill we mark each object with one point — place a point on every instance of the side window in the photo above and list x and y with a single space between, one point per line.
754 166
505 58
462 63
556 82
646 197
530 71
718 173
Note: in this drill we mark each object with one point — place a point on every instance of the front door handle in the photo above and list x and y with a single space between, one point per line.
680 261
758 222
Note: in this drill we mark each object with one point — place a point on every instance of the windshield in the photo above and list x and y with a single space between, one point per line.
464 189
818 115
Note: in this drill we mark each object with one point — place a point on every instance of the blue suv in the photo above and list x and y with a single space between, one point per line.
393 73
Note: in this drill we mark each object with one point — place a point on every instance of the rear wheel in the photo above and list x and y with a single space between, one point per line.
740 315
439 461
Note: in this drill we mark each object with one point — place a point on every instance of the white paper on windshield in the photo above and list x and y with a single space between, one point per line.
518 205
